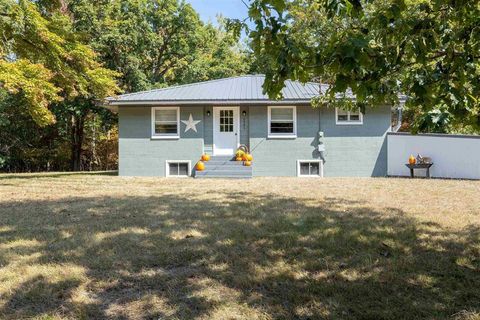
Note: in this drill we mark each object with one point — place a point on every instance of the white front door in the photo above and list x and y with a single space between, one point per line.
226 130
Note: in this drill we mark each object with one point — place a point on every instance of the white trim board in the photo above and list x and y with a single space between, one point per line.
282 135
348 122
189 168
164 136
320 168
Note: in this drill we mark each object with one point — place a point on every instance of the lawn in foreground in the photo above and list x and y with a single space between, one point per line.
92 246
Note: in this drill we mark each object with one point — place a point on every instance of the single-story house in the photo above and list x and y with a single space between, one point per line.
164 132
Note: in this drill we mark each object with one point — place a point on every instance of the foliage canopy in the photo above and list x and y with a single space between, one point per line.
43 60
426 49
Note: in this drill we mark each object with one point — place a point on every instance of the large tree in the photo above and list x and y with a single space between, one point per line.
42 59
149 43
155 43
426 49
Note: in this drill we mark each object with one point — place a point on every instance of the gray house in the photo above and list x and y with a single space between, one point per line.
164 132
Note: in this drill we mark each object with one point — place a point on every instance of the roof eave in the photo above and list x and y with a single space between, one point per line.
206 102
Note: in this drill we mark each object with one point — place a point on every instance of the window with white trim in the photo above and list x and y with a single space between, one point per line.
282 122
348 117
309 168
165 122
178 168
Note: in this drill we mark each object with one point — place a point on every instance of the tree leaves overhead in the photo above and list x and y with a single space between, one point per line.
43 60
155 43
426 49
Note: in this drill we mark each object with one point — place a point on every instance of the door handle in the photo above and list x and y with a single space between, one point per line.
235 133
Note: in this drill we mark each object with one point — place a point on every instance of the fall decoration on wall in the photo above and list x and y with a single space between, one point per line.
190 123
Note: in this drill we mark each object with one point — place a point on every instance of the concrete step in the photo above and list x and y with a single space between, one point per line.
240 170
230 164
223 177
224 167
223 174
221 158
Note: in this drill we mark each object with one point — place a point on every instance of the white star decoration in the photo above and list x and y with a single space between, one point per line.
191 124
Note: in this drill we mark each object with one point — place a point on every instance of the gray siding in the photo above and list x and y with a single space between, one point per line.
356 150
350 150
278 157
244 126
208 127
139 155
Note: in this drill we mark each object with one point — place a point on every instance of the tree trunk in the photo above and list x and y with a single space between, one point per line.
77 136
93 159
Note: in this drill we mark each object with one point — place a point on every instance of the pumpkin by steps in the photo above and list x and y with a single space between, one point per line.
200 166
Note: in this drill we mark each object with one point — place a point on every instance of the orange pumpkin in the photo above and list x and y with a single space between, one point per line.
412 160
249 157
247 163
239 153
205 157
200 166
239 158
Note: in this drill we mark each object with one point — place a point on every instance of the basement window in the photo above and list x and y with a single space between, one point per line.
309 168
178 168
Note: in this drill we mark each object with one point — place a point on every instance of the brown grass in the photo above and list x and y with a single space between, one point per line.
94 246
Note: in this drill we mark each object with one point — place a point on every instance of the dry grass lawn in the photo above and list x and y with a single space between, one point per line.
85 246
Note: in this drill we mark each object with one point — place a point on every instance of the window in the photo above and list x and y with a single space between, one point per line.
282 122
348 117
165 122
178 168
226 120
309 168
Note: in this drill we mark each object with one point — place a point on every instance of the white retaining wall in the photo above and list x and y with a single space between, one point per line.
454 156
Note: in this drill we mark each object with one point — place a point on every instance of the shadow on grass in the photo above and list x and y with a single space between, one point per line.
184 256
7 176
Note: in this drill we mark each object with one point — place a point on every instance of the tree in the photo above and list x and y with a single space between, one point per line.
43 60
147 43
426 49
156 43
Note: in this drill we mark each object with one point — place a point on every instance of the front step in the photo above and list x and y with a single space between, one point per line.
224 167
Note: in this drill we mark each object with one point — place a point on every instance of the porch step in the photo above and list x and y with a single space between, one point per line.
224 167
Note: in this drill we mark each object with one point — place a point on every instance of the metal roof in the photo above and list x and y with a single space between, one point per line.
235 90
228 91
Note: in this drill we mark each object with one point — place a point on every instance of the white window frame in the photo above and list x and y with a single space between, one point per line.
167 168
320 169
282 135
348 122
163 135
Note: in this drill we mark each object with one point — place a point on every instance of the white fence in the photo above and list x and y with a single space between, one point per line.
454 156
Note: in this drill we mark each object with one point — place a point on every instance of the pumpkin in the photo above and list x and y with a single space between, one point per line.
200 166
244 157
205 157
412 160
239 158
239 153
247 163
249 157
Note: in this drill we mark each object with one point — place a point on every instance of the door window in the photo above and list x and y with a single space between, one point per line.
226 120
